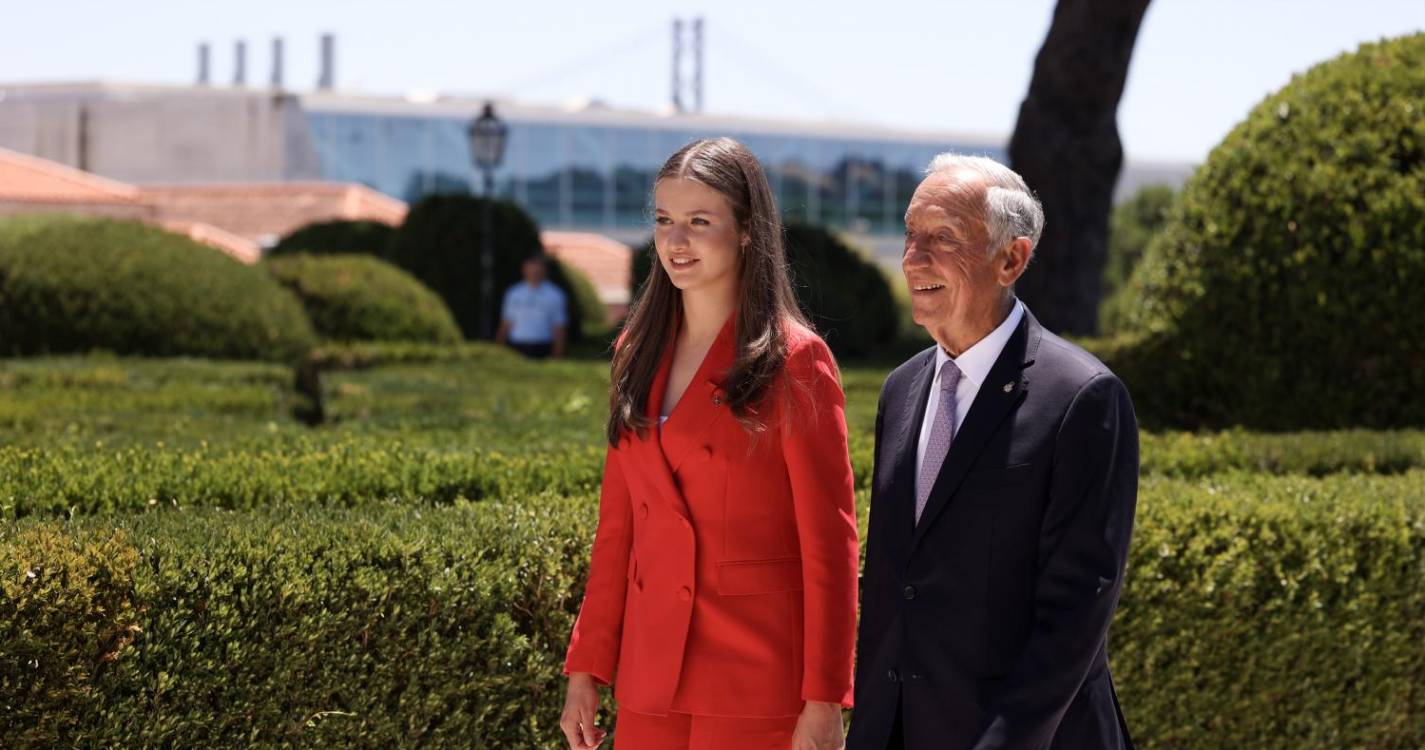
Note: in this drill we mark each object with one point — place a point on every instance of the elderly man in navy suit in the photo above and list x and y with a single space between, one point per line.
1006 477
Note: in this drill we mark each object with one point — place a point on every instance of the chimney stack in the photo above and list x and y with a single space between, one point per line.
240 66
277 62
698 64
203 70
677 63
328 77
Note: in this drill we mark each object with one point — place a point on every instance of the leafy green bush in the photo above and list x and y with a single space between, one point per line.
391 626
593 315
846 295
362 298
70 479
70 284
1131 226
440 244
1283 291
333 237
1270 613
1259 612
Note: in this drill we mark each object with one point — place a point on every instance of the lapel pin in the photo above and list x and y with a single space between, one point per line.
1009 386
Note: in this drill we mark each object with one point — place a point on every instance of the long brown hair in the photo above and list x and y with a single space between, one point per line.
765 301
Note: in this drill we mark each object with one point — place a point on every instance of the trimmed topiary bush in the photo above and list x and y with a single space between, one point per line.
847 296
362 298
440 242
1284 291
594 319
71 284
1258 612
1131 227
327 237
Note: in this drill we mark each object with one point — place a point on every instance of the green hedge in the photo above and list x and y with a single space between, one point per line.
1273 613
389 627
71 284
440 243
1131 227
1259 612
356 468
1283 292
332 237
69 479
362 298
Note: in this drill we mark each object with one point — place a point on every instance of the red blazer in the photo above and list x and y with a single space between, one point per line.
723 577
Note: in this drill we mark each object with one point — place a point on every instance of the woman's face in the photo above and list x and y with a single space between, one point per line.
696 235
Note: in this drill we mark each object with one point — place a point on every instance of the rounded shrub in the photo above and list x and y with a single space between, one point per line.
70 284
847 296
593 314
440 243
326 237
1131 226
361 298
1284 290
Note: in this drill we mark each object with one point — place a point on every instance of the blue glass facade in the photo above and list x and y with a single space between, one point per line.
598 176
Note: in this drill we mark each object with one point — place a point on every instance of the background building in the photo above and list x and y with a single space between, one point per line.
587 168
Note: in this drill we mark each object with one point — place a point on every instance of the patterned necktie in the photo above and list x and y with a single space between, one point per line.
942 431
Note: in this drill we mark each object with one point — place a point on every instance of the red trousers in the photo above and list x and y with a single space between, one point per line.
635 731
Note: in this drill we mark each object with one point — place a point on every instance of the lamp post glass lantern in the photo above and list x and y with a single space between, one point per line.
487 149
487 144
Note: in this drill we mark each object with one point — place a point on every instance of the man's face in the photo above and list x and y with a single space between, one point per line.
533 272
951 275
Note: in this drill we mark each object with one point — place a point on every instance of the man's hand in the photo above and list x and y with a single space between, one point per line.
581 706
819 728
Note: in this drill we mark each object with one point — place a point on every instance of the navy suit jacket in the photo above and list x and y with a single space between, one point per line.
987 621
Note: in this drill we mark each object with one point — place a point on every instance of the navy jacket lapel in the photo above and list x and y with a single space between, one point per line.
992 404
907 409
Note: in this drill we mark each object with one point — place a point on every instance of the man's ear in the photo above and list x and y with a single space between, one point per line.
1013 260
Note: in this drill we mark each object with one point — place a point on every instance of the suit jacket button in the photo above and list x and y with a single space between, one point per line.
685 594
707 451
643 510
909 592
894 677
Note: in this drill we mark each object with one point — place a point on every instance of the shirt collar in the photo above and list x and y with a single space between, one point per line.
975 363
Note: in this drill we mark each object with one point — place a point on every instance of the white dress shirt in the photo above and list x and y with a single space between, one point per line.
975 364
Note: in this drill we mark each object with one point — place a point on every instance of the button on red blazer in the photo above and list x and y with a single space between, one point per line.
723 576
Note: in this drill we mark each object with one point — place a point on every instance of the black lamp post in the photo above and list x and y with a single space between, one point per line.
487 149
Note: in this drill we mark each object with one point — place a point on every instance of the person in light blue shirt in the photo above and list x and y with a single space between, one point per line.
534 317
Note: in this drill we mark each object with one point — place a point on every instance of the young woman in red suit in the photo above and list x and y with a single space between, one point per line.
721 599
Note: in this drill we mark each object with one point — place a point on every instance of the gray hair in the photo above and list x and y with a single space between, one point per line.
1011 210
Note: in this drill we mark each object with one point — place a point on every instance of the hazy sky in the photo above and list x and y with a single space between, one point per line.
1199 65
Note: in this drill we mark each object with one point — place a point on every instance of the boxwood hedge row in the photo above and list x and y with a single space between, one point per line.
355 468
1263 612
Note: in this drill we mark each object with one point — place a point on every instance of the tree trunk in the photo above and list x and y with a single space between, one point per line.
1066 146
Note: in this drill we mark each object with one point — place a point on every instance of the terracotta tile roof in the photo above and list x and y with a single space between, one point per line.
233 218
264 212
608 263
30 179
241 248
